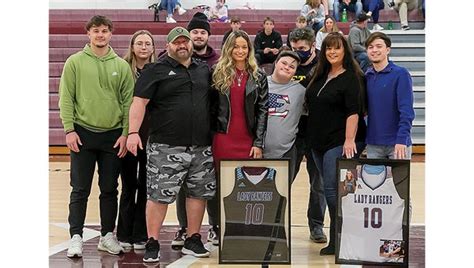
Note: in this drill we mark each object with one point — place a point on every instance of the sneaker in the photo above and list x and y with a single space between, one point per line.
329 250
139 245
213 235
152 251
377 27
125 245
405 27
318 236
75 247
193 246
181 10
179 237
110 244
170 20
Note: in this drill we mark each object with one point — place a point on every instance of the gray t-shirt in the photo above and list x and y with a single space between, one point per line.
285 105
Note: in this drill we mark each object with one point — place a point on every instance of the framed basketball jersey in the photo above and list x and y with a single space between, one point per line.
254 205
373 211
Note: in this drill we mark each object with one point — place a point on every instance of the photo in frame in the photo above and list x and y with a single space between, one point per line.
373 212
254 205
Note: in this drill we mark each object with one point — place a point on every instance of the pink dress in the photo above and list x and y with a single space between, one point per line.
237 142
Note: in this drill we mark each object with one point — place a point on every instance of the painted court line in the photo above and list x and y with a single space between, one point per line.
86 235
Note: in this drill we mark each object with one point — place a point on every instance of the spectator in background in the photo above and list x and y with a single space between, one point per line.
241 87
219 12
302 42
285 106
199 30
177 90
390 111
358 34
313 11
336 128
131 225
330 26
300 23
403 6
235 25
170 6
327 6
372 8
267 42
354 6
93 107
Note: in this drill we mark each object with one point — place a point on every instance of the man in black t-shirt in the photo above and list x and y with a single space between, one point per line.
302 41
267 42
177 90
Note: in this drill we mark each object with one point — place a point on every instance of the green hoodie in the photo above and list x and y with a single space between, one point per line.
94 92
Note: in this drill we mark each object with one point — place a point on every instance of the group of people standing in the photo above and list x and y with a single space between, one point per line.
191 108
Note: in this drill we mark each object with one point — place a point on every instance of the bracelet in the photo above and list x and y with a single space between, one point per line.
135 132
70 131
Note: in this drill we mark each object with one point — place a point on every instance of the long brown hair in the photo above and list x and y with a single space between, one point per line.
323 67
224 71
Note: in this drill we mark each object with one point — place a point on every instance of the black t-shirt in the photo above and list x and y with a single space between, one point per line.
303 75
340 98
179 102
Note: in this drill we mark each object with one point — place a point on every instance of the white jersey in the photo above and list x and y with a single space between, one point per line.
374 212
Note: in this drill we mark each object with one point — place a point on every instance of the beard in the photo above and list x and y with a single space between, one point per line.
199 47
180 55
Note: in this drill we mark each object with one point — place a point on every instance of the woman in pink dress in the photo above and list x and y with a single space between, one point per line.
240 101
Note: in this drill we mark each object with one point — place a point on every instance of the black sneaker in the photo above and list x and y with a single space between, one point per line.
179 238
152 251
318 236
329 250
193 246
213 235
405 27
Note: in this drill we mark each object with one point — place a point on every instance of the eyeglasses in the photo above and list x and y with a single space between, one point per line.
141 44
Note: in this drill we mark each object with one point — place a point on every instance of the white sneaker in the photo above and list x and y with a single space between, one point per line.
125 244
377 27
75 247
110 244
181 11
170 20
139 245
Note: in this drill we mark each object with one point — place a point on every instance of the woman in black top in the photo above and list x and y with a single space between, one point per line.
335 98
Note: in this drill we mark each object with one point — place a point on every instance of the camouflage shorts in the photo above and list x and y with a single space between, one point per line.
168 167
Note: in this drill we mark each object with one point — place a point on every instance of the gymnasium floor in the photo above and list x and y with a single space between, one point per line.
304 252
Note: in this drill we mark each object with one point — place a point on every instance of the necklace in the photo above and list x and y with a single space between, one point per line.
240 77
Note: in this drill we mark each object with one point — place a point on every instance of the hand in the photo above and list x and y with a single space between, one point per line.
256 152
349 148
400 151
134 141
266 50
347 2
121 142
73 141
275 51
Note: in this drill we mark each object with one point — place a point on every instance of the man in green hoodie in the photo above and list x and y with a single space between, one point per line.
95 93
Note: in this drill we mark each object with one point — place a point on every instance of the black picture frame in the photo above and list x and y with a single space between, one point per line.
226 185
392 251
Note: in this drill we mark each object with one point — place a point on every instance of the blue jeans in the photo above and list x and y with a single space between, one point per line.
384 151
326 165
317 202
338 7
374 6
317 26
168 5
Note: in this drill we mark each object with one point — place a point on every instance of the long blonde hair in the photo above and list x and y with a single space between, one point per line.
224 71
131 58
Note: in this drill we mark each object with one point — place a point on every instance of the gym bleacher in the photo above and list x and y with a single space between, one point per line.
67 36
